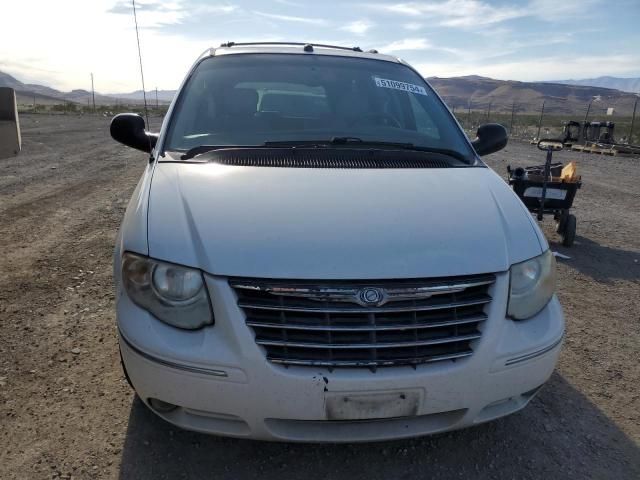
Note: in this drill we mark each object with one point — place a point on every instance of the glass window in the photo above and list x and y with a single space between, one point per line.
249 99
424 122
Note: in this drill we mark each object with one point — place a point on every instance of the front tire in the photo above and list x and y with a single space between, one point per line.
561 221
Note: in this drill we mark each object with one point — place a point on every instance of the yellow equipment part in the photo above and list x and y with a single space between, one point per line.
570 173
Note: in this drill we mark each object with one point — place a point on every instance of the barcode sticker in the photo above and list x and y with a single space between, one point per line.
396 85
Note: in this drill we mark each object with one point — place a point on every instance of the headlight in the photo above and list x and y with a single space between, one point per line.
172 293
533 283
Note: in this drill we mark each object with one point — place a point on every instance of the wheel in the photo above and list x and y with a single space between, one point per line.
561 221
569 233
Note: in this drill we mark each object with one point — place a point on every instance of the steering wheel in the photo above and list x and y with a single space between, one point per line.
380 118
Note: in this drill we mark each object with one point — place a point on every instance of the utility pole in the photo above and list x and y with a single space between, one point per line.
489 112
540 121
513 109
93 94
156 98
633 119
584 125
469 113
588 110
34 103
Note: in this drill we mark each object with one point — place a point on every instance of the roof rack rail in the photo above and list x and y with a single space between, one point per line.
337 47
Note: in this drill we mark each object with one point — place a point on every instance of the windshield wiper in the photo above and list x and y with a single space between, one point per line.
338 141
356 141
359 141
192 152
334 141
189 154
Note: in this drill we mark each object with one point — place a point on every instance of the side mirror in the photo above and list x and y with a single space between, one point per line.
491 137
129 129
10 140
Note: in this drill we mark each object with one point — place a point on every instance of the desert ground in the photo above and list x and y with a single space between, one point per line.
66 410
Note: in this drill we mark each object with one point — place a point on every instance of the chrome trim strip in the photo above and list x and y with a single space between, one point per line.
412 308
350 294
375 363
366 328
535 354
417 293
178 366
295 321
369 346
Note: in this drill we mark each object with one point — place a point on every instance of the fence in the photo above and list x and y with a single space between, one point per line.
519 119
522 123
69 107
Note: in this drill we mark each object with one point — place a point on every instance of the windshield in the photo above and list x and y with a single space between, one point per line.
250 99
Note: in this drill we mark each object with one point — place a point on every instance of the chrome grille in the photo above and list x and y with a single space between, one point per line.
365 323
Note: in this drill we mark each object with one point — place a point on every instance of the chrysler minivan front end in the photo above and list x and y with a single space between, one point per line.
316 253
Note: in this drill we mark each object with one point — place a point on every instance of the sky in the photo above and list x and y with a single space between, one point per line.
59 43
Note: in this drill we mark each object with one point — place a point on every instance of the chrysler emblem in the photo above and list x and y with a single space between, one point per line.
371 296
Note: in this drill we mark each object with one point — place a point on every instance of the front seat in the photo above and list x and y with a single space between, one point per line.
239 106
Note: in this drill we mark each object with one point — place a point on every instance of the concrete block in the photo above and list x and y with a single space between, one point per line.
10 139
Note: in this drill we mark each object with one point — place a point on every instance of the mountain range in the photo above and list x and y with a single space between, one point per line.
163 96
624 84
27 93
479 93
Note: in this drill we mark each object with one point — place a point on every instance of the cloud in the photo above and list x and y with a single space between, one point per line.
289 3
107 46
125 7
289 18
151 13
154 14
417 44
197 9
29 70
407 44
176 31
412 26
556 67
358 27
552 10
469 14
457 13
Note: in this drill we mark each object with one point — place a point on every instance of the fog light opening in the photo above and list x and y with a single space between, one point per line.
160 406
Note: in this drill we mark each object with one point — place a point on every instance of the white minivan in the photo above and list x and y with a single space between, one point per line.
316 252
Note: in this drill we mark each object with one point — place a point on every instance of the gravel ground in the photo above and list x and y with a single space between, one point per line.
66 411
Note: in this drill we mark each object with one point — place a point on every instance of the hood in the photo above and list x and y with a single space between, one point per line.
300 223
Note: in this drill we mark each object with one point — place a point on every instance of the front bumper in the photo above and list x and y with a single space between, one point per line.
222 383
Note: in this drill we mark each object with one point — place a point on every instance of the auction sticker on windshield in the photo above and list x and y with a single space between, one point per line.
396 85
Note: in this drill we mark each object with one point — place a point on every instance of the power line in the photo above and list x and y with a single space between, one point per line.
144 92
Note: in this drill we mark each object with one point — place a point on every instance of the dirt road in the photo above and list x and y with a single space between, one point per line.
66 411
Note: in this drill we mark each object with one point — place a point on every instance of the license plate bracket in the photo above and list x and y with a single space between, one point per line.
372 405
